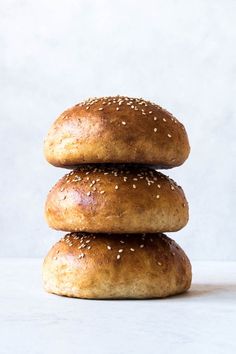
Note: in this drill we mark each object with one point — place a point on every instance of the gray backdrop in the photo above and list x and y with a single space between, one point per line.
180 54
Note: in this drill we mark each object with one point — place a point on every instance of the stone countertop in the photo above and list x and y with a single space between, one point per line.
200 321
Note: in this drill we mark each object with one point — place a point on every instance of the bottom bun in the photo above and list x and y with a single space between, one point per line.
98 266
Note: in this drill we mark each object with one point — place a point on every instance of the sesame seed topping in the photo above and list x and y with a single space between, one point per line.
141 246
102 192
155 118
132 249
121 241
159 186
150 112
118 256
169 135
121 250
134 186
172 188
117 108
89 193
109 247
116 187
159 263
124 123
158 196
100 109
155 130
164 120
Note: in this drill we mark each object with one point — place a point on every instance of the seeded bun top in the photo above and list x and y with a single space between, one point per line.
117 130
122 266
116 199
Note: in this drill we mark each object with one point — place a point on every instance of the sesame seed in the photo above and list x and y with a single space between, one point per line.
89 193
141 246
159 263
155 118
102 192
169 135
172 188
150 112
134 186
132 249
157 196
121 241
124 123
164 120
117 108
155 130
116 187
121 250
88 247
118 256
100 109
109 247
159 186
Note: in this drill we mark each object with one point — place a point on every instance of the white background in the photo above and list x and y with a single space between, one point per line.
180 54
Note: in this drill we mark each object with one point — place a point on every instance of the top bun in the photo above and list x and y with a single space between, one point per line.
117 130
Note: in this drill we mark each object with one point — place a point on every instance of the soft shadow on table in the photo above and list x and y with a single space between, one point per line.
210 291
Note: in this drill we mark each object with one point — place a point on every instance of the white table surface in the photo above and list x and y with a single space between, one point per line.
201 321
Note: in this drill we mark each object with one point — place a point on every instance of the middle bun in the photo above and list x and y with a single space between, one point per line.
116 200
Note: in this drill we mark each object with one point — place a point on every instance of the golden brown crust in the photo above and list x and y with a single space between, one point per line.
117 130
117 200
98 266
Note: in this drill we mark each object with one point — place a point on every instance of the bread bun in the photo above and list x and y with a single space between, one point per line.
97 266
117 200
117 130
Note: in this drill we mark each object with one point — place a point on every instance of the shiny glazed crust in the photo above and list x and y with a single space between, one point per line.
117 200
117 130
122 266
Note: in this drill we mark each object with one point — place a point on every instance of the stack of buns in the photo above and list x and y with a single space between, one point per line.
114 203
